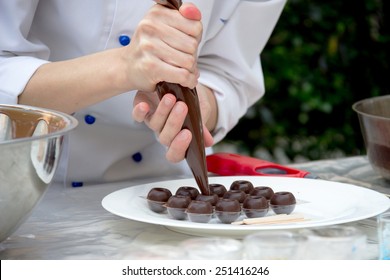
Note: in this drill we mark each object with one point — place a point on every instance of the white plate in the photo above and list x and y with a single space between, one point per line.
321 202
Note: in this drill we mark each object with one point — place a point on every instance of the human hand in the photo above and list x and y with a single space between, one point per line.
166 118
164 48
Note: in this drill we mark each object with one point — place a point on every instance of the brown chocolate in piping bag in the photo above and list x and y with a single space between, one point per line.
195 155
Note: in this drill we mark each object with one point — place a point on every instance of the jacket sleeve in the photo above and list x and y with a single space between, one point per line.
229 59
19 56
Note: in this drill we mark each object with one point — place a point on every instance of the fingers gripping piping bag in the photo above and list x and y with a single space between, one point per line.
195 155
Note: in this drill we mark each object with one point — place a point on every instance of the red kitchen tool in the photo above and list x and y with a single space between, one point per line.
227 164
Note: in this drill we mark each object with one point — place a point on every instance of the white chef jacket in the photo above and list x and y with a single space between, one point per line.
108 145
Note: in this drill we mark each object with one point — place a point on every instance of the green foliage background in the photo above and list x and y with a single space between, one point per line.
322 57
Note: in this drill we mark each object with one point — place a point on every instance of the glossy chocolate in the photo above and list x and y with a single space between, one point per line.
188 191
217 189
235 194
212 198
242 185
176 206
157 197
199 211
255 206
195 155
255 202
200 207
24 124
178 201
159 194
227 210
283 198
265 191
283 202
228 205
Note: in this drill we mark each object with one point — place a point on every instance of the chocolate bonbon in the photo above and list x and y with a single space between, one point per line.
265 191
218 189
235 194
199 211
242 185
283 202
212 198
188 202
177 205
188 191
228 210
255 206
157 197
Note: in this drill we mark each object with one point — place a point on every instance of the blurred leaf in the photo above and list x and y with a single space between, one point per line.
322 57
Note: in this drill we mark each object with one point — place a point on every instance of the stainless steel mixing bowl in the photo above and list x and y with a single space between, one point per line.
30 147
374 117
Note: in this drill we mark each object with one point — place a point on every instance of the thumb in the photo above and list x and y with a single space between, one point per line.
190 11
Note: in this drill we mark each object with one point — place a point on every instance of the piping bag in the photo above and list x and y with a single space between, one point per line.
195 155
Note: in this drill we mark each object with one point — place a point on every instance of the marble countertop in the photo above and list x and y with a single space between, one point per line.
70 223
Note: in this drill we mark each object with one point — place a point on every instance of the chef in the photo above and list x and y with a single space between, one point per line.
100 61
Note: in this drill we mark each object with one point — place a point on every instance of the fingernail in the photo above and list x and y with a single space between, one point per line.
179 109
183 135
168 101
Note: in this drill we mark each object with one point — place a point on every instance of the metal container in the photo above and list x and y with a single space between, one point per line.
30 148
374 117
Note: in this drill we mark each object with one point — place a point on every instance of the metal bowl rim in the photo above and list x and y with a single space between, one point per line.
71 121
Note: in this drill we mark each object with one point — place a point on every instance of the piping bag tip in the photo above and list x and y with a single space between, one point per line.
195 155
